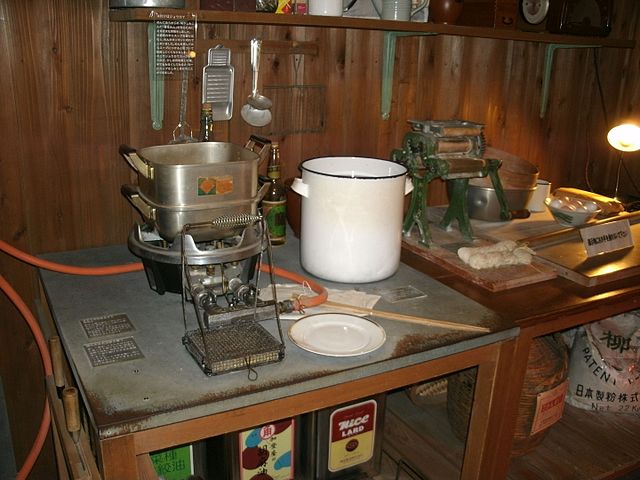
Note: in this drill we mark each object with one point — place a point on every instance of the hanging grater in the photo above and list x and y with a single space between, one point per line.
217 82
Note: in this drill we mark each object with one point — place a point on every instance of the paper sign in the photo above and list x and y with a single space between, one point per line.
607 237
549 407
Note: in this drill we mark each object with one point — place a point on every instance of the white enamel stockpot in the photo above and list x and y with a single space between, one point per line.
351 217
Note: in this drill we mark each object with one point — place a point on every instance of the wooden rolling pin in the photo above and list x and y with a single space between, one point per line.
406 318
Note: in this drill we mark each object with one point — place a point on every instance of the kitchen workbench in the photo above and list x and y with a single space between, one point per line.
540 309
163 399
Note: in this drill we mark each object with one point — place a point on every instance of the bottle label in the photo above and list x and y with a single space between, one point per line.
275 214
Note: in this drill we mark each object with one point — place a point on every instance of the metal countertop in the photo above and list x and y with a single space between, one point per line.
167 386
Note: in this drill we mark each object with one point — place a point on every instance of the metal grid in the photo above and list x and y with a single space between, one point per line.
233 346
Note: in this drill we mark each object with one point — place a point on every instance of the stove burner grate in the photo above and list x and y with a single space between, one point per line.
233 346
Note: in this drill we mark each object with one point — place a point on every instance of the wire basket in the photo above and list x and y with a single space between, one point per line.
233 346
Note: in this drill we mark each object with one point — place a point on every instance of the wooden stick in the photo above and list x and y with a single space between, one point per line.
406 318
56 360
72 412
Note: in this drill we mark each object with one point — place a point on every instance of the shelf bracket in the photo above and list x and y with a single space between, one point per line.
548 66
156 82
388 61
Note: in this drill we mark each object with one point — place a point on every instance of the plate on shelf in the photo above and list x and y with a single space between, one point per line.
337 334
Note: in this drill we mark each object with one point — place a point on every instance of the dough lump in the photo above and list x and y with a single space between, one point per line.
499 254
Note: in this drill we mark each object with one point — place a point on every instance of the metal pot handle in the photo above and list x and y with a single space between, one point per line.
259 145
262 192
136 162
133 195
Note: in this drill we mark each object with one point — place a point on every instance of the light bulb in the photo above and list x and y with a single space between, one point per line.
625 137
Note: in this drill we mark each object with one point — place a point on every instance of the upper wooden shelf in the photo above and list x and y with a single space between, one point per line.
208 16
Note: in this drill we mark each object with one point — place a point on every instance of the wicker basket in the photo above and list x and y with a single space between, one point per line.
428 393
547 367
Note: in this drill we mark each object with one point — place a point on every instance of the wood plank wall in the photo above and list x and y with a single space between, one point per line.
74 86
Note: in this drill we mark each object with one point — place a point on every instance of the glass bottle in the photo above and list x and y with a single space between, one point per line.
206 123
274 203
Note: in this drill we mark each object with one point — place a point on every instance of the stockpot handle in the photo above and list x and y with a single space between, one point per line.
136 162
133 195
262 192
259 145
300 187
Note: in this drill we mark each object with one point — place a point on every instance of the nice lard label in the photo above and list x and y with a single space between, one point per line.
352 435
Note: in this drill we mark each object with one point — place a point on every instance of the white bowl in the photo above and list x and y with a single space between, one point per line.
570 211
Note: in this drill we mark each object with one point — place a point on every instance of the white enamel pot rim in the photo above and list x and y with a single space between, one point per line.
351 217
362 168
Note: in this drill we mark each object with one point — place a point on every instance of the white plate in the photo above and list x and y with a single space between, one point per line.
337 334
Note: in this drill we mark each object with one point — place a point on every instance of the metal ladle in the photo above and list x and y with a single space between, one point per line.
257 100
256 111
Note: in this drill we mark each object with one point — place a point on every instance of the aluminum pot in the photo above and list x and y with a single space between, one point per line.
189 174
169 221
193 183
351 217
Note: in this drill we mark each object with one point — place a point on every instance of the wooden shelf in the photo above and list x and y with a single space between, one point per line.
207 16
583 445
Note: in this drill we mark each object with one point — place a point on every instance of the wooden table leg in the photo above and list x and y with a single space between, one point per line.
510 378
146 468
118 459
478 456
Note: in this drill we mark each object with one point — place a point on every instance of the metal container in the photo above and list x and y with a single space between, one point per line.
193 183
351 218
345 442
273 450
483 203
191 174
169 221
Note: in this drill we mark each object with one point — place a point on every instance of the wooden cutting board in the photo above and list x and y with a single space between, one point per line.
444 253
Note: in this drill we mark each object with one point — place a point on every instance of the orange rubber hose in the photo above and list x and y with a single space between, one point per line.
33 454
70 269
322 293
45 422
134 267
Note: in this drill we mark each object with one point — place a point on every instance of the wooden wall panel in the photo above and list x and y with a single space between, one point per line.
76 86
20 366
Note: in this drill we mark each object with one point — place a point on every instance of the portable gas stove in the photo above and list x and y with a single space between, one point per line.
220 279
203 238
